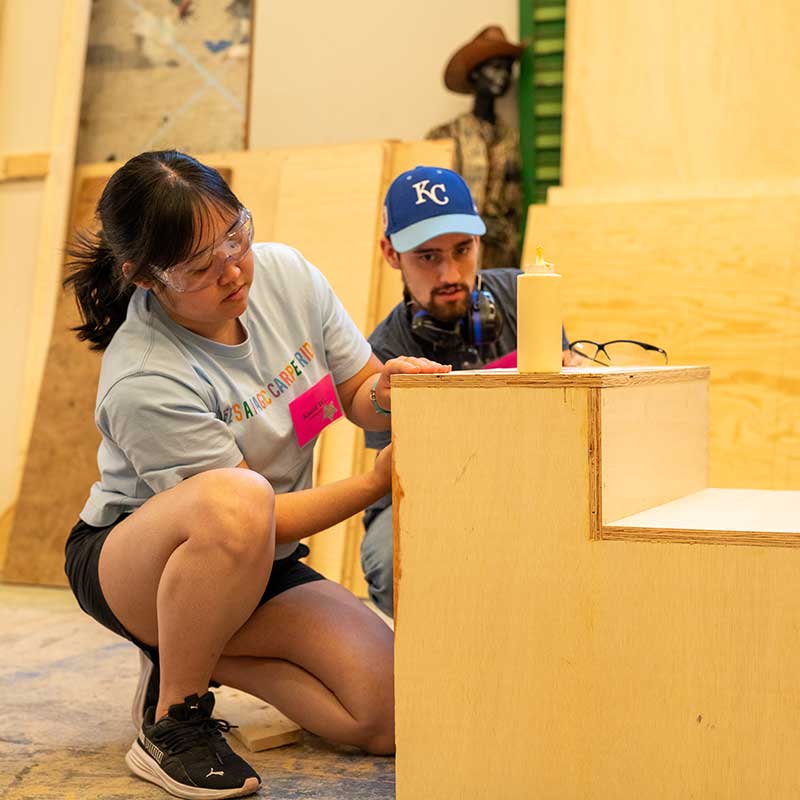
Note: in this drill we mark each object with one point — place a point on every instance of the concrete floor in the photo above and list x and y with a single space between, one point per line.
66 686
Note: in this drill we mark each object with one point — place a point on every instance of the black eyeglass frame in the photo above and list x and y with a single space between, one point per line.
601 348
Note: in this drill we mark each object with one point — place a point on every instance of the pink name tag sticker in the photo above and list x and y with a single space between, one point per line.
314 410
508 361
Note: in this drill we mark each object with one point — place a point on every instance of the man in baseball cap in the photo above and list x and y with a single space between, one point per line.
431 229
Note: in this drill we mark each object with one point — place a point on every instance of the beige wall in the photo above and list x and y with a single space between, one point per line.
325 73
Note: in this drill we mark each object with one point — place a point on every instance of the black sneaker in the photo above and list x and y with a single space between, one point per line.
186 753
146 690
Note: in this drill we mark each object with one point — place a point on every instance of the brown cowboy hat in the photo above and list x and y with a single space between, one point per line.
489 43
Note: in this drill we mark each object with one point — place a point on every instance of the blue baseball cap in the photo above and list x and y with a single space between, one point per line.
426 202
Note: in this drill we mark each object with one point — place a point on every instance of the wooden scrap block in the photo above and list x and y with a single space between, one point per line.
24 166
259 726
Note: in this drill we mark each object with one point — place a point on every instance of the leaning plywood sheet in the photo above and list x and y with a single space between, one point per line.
328 201
39 115
61 460
714 281
21 205
386 292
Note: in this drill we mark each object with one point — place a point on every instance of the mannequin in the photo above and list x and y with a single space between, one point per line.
490 80
486 148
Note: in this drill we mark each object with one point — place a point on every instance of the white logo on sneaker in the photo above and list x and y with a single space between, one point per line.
154 751
214 772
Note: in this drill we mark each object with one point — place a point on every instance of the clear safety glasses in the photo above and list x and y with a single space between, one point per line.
205 268
621 353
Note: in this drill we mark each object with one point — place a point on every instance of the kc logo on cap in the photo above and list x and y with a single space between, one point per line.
426 202
423 192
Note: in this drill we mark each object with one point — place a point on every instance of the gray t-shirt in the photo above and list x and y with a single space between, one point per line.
172 404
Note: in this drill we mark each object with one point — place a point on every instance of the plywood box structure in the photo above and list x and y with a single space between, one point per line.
577 614
326 201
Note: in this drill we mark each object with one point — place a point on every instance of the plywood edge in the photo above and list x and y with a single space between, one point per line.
569 377
698 536
352 577
662 192
397 506
6 524
595 452
23 166
373 303
758 517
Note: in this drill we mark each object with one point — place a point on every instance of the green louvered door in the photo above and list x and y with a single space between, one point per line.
541 89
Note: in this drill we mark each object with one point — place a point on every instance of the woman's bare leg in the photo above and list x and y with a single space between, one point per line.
186 570
316 653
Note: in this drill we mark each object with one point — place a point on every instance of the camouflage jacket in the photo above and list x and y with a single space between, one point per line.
487 156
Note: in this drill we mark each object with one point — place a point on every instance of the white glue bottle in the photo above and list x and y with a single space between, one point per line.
539 317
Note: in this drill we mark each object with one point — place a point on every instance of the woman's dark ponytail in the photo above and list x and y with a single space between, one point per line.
100 289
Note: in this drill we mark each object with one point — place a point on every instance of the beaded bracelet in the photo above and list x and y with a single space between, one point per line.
373 395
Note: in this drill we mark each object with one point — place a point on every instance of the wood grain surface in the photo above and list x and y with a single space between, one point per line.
664 92
551 664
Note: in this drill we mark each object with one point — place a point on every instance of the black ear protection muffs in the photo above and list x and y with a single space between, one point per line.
481 325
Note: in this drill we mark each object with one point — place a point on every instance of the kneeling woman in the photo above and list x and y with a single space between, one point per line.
223 360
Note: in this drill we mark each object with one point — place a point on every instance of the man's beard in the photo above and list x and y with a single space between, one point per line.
448 310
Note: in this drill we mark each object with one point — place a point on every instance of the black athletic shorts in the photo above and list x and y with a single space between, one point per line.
83 556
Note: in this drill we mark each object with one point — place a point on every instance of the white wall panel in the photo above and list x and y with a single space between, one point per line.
325 73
